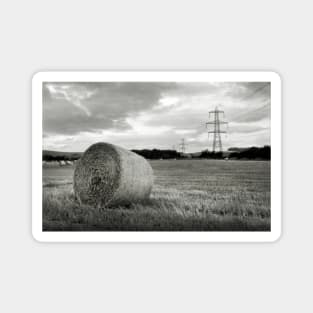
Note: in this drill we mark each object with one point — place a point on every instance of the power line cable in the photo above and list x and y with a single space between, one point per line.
249 112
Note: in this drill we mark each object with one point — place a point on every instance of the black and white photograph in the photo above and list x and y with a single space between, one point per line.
156 156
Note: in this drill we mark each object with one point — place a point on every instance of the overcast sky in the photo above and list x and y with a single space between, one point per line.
153 115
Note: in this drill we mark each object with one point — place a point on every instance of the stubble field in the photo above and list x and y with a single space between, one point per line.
188 195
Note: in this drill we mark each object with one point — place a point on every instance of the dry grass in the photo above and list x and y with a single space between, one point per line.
188 195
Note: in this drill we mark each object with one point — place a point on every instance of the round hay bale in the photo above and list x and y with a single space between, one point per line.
110 175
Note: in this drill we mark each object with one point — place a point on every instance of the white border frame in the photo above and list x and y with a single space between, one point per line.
143 236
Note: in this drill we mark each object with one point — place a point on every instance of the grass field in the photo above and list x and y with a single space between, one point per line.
190 195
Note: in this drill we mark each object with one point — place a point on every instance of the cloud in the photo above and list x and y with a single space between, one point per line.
139 126
152 115
240 128
184 131
57 142
168 101
254 115
72 93
247 90
97 106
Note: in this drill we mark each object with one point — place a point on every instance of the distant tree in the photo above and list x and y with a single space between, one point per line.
253 153
50 156
211 155
155 154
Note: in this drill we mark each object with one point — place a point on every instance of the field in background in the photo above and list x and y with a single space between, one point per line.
192 195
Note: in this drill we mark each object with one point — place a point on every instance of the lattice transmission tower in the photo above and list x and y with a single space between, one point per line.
217 131
183 145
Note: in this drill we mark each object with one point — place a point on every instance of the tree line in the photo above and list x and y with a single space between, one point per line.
252 153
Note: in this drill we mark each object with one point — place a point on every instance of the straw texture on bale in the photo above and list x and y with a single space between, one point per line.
108 175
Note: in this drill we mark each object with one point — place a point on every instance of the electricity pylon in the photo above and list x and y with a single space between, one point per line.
182 145
217 140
